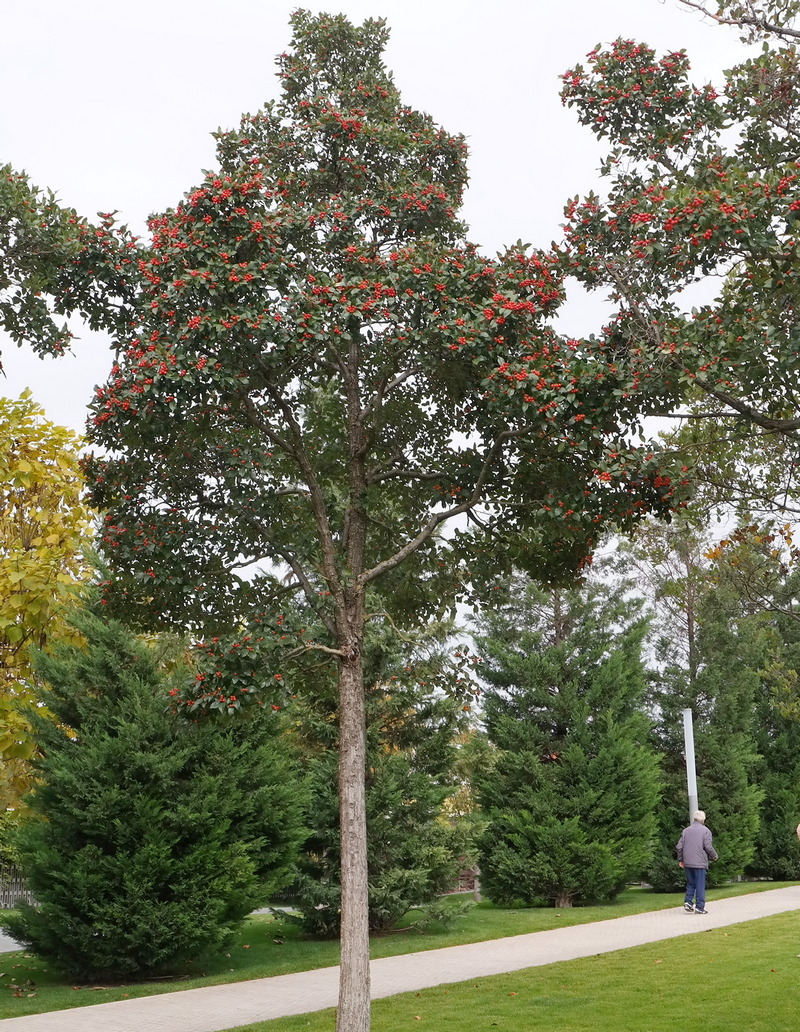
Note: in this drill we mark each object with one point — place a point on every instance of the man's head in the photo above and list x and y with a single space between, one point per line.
700 815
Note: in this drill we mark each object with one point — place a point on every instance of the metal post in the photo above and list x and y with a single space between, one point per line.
691 773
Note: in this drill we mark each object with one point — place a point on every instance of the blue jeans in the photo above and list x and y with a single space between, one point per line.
696 886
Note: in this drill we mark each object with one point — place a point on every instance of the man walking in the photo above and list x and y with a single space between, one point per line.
695 848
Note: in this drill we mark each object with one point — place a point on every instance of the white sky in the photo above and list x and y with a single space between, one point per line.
111 105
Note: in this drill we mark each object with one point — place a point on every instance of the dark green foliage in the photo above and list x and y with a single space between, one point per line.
729 651
571 796
777 851
151 837
54 263
414 852
701 188
777 848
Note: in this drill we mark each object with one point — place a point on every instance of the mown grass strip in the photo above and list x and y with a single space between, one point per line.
743 978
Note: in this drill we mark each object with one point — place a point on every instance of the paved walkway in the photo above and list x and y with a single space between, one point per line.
214 1008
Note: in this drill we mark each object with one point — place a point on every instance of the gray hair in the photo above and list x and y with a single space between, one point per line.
699 815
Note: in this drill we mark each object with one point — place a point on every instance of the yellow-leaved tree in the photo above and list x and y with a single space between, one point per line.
44 525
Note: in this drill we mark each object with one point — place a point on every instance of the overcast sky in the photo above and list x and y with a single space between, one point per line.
111 106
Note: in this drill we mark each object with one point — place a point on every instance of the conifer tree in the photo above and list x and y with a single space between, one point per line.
776 852
572 794
709 652
151 836
777 847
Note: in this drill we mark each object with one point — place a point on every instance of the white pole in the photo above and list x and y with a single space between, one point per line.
691 773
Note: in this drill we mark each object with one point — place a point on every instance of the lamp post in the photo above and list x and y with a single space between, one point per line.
691 773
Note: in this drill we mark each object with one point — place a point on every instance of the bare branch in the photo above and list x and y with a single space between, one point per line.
758 24
377 398
403 637
430 527
298 453
313 646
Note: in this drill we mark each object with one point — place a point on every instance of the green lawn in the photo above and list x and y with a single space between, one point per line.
271 947
737 979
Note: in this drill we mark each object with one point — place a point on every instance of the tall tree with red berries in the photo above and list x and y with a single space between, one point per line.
703 188
54 263
325 374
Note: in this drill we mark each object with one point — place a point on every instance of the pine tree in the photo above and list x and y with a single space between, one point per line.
710 651
777 848
732 652
572 794
151 836
776 852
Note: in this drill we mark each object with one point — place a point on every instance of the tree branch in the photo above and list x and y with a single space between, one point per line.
651 332
427 531
759 24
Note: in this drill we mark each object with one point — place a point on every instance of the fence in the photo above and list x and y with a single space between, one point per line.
13 888
467 882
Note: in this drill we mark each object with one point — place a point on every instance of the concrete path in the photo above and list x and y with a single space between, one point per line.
214 1008
7 944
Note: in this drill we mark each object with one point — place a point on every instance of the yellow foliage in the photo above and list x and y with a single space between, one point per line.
44 525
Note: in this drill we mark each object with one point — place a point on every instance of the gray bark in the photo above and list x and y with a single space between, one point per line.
354 980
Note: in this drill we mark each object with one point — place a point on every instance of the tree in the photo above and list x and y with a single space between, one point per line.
777 849
776 852
325 373
707 656
44 527
732 648
53 263
756 18
702 187
414 851
150 837
571 796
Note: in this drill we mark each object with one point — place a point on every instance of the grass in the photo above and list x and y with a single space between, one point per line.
267 946
741 978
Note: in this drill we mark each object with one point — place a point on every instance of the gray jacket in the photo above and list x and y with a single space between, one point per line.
695 846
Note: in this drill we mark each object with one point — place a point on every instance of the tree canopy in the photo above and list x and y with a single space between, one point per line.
703 188
151 837
571 793
54 263
325 371
44 527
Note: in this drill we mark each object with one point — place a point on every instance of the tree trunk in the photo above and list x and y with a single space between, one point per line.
354 980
